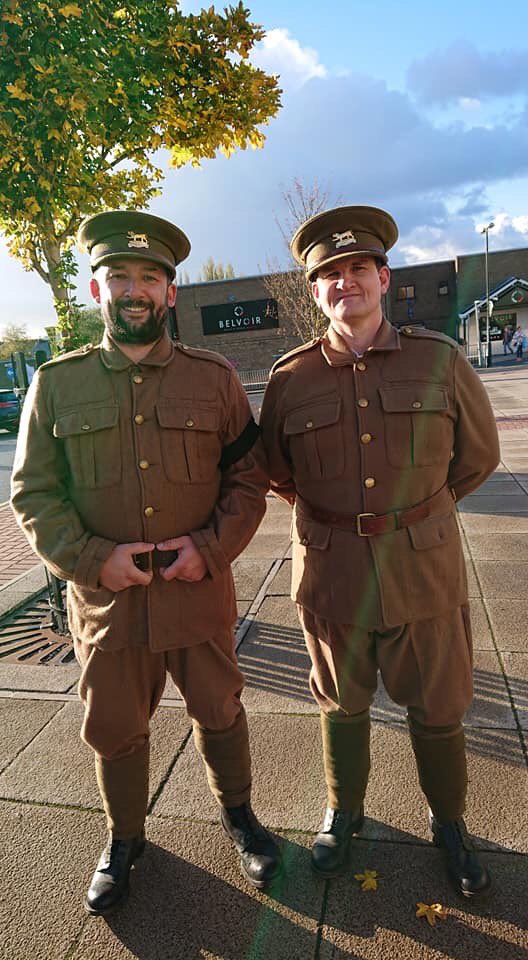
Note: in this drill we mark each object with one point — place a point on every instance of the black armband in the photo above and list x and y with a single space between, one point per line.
239 447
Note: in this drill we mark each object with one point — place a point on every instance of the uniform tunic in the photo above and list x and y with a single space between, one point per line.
111 451
373 435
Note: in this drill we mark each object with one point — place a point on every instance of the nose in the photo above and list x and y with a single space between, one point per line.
133 287
347 279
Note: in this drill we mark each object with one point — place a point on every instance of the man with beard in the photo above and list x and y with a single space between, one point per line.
135 481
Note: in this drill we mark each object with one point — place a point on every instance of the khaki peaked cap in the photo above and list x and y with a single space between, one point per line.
131 233
343 232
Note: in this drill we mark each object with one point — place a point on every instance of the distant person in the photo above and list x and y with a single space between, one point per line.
507 335
518 343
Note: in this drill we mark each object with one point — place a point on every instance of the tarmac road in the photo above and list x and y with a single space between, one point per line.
7 453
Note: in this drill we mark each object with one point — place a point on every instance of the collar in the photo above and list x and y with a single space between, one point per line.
337 353
113 358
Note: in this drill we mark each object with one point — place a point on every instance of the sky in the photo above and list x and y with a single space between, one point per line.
421 109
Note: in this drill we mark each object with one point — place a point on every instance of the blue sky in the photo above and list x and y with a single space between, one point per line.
418 107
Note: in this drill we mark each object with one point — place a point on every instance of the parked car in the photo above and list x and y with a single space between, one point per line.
9 410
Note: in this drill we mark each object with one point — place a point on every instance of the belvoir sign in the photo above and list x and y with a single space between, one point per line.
240 317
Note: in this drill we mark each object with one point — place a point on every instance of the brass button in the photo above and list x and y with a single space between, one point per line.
309 423
149 511
137 378
366 437
86 426
407 329
363 402
305 542
417 404
452 455
361 366
139 418
144 464
370 482
189 423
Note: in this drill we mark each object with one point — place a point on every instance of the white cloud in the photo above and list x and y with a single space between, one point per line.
280 53
463 71
469 103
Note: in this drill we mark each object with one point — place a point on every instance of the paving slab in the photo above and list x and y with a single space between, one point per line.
267 545
382 924
281 583
289 792
487 503
480 628
516 670
22 720
22 588
505 522
39 679
48 857
509 620
249 576
275 662
58 768
491 705
188 901
473 585
500 546
501 579
495 487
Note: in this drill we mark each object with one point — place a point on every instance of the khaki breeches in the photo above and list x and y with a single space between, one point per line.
121 690
427 666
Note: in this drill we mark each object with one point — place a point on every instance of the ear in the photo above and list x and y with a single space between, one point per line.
171 294
94 290
315 291
384 275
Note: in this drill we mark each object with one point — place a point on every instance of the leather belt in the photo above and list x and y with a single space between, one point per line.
371 524
154 559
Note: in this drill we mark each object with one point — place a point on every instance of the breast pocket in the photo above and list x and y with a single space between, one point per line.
418 424
190 442
315 438
91 444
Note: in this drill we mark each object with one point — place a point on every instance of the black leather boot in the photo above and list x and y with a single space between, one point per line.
466 872
332 844
260 857
109 886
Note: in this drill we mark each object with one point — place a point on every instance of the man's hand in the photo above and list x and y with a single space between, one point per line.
120 571
190 564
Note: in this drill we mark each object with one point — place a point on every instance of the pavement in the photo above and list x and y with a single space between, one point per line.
188 900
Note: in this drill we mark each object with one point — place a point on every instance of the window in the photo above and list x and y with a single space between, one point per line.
406 293
443 288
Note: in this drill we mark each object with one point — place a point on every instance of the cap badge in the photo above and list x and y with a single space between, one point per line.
137 239
343 239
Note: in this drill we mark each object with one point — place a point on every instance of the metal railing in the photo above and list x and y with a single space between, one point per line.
254 379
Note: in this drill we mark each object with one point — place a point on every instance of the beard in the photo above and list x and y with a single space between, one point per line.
138 332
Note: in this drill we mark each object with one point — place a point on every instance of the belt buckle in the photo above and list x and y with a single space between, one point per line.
359 518
143 561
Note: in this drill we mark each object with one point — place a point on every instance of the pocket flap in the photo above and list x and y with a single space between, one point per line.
309 533
85 421
312 417
187 418
413 399
433 532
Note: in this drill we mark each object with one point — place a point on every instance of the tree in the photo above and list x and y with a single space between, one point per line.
14 337
290 288
88 93
215 271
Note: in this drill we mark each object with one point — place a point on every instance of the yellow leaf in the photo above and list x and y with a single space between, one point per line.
13 18
368 879
70 10
54 134
120 14
17 90
432 912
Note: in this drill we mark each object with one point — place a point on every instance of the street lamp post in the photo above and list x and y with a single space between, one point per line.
485 231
